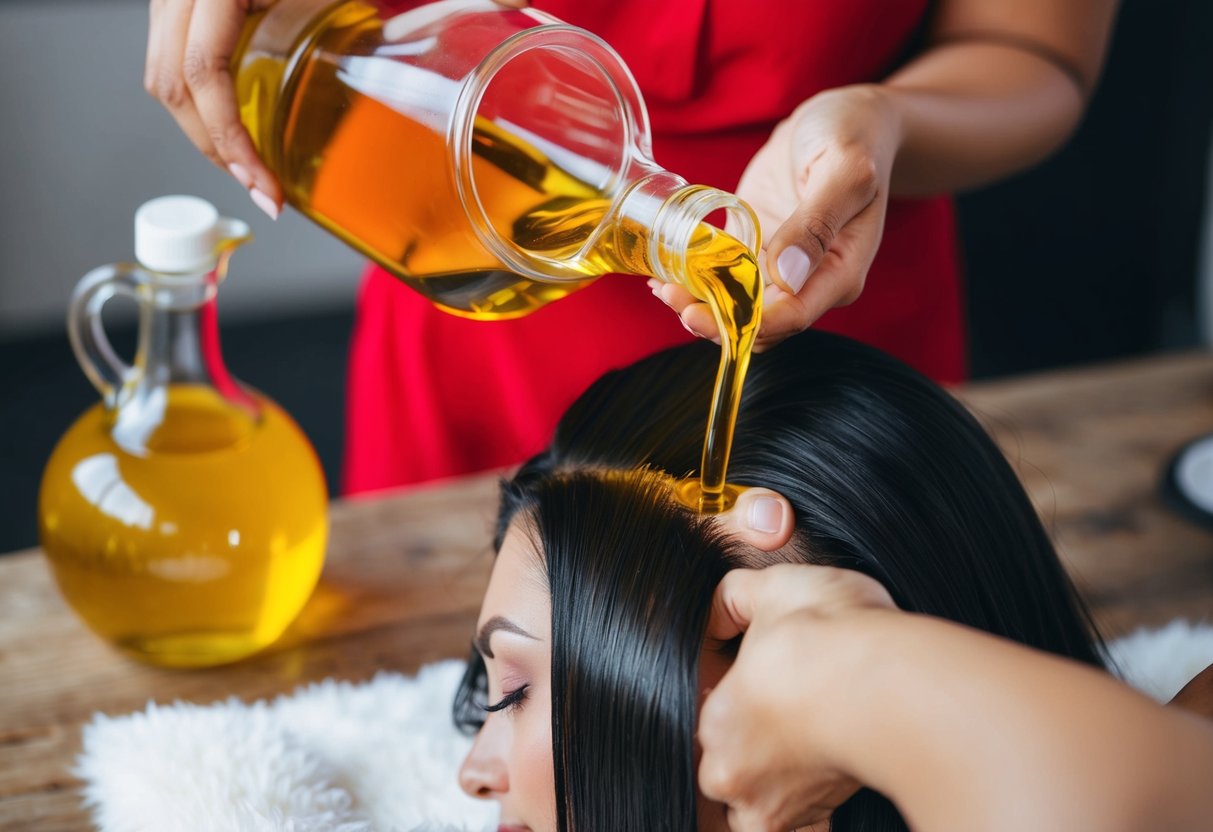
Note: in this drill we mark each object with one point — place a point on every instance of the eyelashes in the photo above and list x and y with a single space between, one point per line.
510 701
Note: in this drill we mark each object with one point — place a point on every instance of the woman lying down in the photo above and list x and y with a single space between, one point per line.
599 641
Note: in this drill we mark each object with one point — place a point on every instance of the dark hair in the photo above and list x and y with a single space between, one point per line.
887 474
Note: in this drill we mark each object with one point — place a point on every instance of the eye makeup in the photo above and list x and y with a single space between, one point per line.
510 701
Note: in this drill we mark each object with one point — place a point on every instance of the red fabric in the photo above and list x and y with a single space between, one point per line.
432 395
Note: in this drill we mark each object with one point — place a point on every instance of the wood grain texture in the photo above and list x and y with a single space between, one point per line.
406 572
1091 446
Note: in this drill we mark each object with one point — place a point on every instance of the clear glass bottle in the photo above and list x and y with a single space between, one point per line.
493 159
184 515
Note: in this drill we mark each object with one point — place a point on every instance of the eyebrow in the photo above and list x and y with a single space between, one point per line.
493 625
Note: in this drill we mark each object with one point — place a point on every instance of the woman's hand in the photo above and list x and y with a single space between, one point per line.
820 186
189 47
761 727
832 688
189 51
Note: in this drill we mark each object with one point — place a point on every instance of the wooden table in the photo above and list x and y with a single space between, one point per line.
405 572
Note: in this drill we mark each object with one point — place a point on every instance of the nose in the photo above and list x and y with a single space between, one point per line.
484 773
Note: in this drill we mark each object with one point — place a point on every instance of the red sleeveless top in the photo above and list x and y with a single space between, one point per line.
431 395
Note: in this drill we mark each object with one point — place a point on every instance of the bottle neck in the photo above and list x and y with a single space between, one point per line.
672 211
181 397
179 342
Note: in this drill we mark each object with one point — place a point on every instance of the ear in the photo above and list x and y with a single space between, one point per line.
761 517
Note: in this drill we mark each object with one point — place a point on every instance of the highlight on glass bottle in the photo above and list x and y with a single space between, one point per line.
184 515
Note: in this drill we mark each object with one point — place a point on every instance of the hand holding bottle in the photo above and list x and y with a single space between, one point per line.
820 186
189 46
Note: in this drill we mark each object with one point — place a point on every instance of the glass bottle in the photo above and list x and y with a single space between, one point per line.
493 159
184 515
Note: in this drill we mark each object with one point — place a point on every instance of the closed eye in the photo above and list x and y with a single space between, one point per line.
509 701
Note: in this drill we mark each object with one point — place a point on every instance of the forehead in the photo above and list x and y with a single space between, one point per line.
518 588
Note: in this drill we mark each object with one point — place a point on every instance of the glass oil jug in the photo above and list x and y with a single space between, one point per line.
494 160
184 515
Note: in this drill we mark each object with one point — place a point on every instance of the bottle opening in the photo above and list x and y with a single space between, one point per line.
553 108
682 215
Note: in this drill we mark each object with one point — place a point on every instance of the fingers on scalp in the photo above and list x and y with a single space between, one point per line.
747 820
717 777
877 593
721 624
735 598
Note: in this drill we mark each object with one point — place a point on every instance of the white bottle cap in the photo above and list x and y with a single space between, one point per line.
180 234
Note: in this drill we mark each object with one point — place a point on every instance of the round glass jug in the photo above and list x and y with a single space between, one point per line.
185 515
493 159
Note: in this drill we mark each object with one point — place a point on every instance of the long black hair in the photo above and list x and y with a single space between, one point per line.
887 474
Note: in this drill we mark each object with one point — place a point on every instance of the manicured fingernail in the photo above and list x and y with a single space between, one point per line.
654 284
241 173
264 203
793 266
766 515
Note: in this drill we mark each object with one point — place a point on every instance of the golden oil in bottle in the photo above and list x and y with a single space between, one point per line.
378 179
335 114
198 548
184 516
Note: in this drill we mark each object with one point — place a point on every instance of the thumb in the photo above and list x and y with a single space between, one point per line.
760 517
834 191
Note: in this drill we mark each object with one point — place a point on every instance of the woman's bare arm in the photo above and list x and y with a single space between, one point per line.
833 687
1000 86
967 731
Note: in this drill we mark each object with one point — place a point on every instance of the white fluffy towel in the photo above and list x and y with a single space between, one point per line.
380 756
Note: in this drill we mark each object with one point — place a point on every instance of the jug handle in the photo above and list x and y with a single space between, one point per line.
85 329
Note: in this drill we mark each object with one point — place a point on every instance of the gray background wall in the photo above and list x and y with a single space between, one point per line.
82 146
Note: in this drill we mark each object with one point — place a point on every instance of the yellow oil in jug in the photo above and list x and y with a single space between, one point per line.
197 547
378 180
